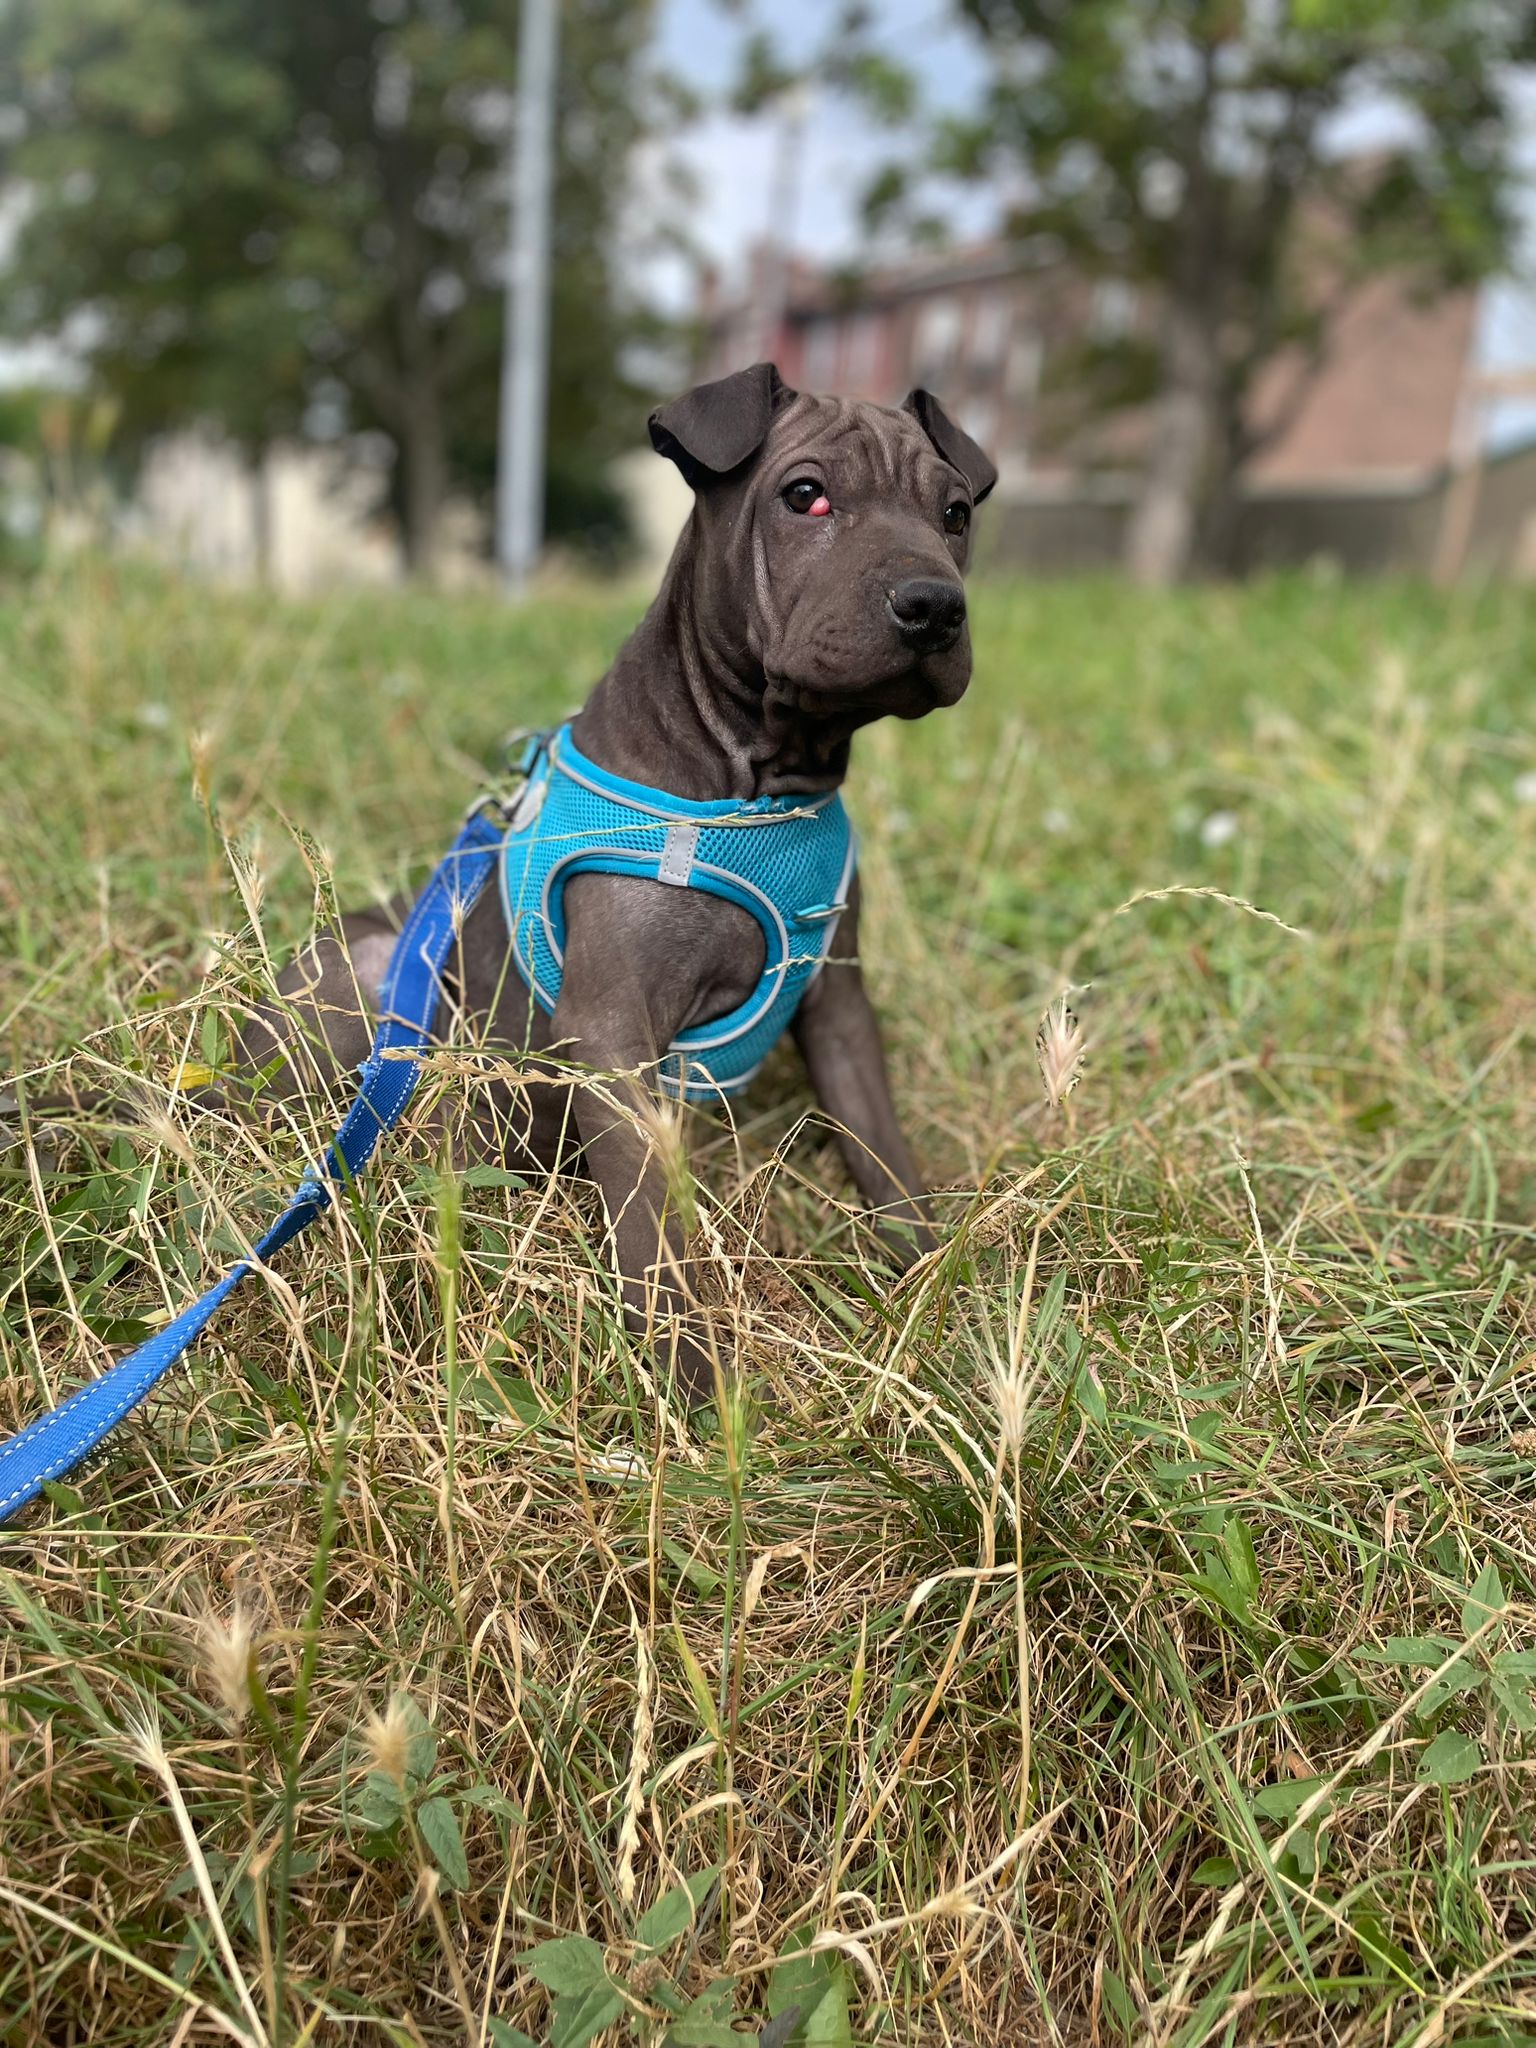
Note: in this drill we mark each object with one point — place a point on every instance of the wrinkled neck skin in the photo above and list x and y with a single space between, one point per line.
688 706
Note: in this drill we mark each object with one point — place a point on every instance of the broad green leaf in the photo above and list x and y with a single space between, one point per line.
798 1979
1415 1651
381 1804
1089 1391
440 1831
421 1748
1462 1677
1279 1802
1303 1851
702 1577
1120 2003
498 1397
1242 1559
1485 1598
572 1962
675 1910
1216 1585
706 2023
490 1800
580 2016
1214 1870
829 2024
1450 1759
503 2035
818 1985
1514 1702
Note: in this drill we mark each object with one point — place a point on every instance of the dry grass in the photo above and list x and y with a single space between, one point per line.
1064 1644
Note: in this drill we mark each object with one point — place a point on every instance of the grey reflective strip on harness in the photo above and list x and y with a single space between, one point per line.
676 864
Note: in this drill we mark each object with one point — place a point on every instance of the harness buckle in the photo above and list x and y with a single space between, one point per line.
502 803
491 803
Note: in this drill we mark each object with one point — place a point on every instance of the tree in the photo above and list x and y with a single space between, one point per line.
269 214
1183 146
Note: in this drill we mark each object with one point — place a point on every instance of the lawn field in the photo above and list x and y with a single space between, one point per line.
1117 1630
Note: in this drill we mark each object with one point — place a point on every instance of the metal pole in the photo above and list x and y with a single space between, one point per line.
525 331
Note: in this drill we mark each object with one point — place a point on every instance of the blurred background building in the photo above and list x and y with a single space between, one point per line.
1248 296
1369 459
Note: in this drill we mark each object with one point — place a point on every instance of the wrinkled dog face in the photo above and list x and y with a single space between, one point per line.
851 523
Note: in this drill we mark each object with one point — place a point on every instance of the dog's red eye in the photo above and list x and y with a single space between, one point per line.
957 517
804 495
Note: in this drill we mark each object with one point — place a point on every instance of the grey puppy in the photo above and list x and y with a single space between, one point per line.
816 587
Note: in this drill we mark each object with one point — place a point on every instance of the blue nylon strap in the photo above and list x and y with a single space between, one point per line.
408 1000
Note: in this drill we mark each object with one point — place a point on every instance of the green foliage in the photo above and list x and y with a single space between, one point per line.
413 1812
275 218
1182 146
587 1995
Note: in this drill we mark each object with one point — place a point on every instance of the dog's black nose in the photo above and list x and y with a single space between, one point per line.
929 612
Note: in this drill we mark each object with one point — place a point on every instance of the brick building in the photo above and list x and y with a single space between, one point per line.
1364 467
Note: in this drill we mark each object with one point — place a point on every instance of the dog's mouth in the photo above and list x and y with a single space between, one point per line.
911 692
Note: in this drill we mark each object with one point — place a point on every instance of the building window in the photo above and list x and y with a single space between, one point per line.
821 354
1024 361
863 353
937 341
989 332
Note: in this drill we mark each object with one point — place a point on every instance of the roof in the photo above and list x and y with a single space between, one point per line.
1383 403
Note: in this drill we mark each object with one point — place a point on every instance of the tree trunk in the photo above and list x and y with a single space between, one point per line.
422 482
1189 447
261 518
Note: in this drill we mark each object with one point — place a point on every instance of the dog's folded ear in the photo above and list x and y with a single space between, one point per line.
952 442
714 428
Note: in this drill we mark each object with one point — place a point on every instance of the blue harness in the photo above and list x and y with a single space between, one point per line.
788 860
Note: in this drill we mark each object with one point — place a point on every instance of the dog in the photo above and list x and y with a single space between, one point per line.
817 586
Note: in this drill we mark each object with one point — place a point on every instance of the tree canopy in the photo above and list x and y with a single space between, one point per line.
278 217
1193 149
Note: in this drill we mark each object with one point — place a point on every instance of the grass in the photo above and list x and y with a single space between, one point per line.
1118 1631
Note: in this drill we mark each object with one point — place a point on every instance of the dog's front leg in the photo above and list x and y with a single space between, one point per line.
839 1039
608 1021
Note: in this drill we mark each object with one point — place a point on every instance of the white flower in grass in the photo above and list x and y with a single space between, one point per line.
1219 829
1525 787
1056 821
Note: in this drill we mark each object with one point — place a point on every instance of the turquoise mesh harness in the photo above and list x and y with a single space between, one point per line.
789 860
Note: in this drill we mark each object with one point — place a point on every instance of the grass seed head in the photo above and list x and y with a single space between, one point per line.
1060 1048
387 1738
1010 1399
227 1649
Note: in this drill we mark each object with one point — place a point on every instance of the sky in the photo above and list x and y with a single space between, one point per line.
733 158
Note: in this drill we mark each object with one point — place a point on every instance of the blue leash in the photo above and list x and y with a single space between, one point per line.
408 999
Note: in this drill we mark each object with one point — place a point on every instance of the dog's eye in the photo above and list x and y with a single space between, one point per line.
957 517
802 494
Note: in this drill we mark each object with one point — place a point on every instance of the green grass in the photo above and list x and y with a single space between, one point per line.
1149 1718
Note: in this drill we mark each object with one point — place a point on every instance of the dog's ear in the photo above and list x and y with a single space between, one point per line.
952 442
714 428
